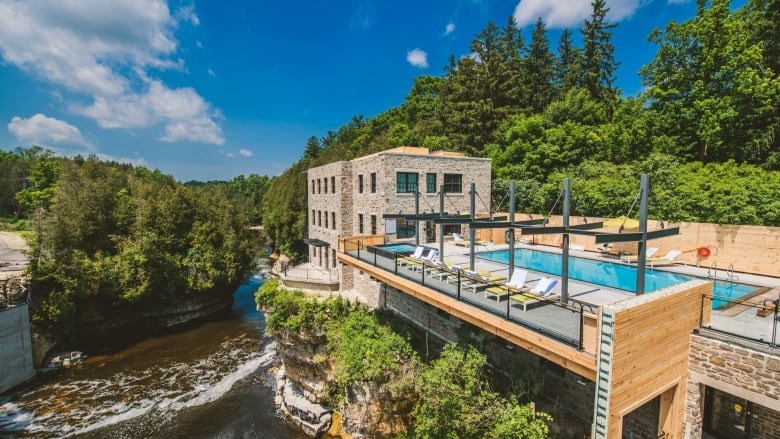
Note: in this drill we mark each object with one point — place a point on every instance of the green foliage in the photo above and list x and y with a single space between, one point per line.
127 236
455 401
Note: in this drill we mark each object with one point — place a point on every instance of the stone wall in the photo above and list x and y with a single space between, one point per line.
322 225
734 368
642 423
567 396
16 362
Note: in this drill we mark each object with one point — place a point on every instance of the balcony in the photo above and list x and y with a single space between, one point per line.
562 333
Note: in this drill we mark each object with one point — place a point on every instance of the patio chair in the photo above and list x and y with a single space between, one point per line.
667 259
425 259
472 280
439 270
516 283
459 241
403 260
634 258
412 262
542 290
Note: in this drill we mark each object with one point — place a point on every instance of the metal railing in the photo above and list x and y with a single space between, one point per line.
561 322
745 319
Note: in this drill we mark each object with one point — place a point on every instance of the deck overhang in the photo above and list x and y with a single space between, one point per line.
579 362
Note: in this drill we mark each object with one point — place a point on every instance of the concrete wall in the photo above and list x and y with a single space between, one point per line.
16 363
736 369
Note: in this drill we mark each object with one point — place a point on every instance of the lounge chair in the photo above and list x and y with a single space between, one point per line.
439 270
414 257
667 259
634 258
459 241
542 290
415 260
472 280
577 247
516 284
425 259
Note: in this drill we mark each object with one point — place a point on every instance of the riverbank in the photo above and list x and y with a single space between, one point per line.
211 379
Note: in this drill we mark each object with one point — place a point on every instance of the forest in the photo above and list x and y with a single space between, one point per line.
705 127
123 238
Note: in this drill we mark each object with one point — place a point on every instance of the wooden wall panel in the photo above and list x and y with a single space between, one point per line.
650 355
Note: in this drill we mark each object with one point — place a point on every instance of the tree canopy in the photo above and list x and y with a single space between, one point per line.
707 119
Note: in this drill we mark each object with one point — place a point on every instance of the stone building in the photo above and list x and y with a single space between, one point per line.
349 198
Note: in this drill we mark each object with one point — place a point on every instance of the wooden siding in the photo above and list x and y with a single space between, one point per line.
650 355
581 363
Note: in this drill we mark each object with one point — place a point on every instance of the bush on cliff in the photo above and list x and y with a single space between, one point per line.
451 396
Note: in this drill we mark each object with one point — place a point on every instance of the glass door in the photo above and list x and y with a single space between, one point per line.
726 416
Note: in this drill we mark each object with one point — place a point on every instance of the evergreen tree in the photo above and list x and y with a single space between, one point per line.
313 148
514 91
598 61
539 68
567 74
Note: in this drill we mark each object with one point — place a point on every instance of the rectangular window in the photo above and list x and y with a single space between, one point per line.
319 186
360 184
334 257
333 220
406 182
360 223
453 183
373 224
325 185
312 186
449 229
405 228
373 182
333 184
313 217
430 183
326 217
319 218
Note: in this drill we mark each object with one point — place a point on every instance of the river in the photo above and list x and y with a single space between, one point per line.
210 380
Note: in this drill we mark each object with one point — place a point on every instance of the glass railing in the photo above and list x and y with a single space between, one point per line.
751 320
562 322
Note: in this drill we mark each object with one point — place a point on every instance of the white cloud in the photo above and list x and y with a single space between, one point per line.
105 50
677 2
212 73
566 13
229 155
450 28
417 58
47 131
245 152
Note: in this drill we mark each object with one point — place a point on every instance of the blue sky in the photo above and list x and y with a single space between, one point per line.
210 90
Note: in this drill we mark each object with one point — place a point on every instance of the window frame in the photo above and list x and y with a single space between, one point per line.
373 182
360 224
449 185
333 220
360 183
407 187
333 185
373 224
430 186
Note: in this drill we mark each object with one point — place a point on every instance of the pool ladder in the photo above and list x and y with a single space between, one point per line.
712 272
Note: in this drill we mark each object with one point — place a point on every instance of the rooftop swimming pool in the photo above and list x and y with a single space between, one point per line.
611 274
391 249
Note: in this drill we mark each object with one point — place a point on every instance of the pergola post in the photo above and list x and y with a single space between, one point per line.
511 229
472 234
644 187
417 213
565 242
441 226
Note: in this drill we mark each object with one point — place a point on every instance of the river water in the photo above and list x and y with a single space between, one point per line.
210 380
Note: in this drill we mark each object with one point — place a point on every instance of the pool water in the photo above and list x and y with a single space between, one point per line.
398 248
610 274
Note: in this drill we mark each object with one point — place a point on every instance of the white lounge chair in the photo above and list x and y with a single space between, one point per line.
413 258
667 259
634 258
516 283
542 290
459 241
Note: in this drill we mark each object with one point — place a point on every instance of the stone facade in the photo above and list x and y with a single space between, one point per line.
642 423
564 394
337 199
739 370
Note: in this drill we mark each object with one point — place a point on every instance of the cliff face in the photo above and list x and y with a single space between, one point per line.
369 409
